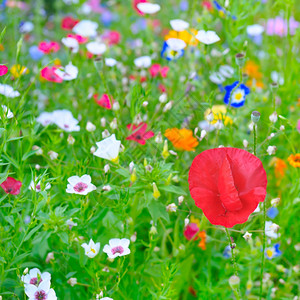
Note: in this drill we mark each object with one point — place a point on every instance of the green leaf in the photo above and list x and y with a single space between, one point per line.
158 210
10 220
28 154
173 189
64 237
32 232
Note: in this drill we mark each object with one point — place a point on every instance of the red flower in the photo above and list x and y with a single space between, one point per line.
47 47
156 69
112 37
68 23
190 231
104 101
3 70
139 133
11 186
162 88
80 39
48 73
227 184
135 3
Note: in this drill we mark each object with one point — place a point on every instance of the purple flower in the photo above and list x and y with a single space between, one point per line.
279 26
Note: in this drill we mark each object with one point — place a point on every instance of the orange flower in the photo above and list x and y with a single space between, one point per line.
202 237
187 36
279 165
252 70
182 139
294 160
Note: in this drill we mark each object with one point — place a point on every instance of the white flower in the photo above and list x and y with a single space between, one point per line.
207 37
273 117
65 120
86 28
42 291
271 150
70 72
90 127
179 25
71 43
171 207
247 236
117 247
226 71
110 62
148 8
80 185
45 118
91 249
108 148
8 91
216 78
106 298
26 27
255 30
276 77
53 155
143 62
35 276
6 112
245 143
180 200
72 281
269 230
107 188
96 48
36 186
176 44
71 224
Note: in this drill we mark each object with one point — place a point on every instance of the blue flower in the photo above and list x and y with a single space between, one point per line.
35 53
222 11
235 94
272 212
273 251
170 54
227 252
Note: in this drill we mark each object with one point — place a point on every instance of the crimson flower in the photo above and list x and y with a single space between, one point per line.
104 101
139 133
190 231
49 74
48 47
68 23
3 70
80 39
11 186
112 37
135 3
157 69
227 184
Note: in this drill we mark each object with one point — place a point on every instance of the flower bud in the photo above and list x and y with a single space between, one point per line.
90 127
234 282
180 200
156 193
70 140
106 168
72 281
133 176
165 152
240 59
255 116
171 207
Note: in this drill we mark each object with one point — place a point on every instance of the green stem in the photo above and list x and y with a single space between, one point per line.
263 251
254 139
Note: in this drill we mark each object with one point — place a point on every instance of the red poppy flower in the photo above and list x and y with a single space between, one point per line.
68 23
190 231
48 73
104 101
139 133
3 70
135 3
11 186
80 39
47 47
227 184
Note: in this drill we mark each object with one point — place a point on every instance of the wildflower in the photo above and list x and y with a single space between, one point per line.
273 117
182 139
69 72
35 53
216 113
11 186
148 8
255 33
143 62
273 251
133 176
247 236
117 247
191 231
180 200
106 188
67 23
225 197
227 252
70 139
35 277
156 193
271 150
80 39
139 133
235 94
86 28
270 230
91 249
207 37
110 62
234 282
279 26
104 101
179 25
53 155
187 36
72 281
96 48
111 37
18 70
49 74
36 186
275 201
71 224
80 185
7 91
65 120
40 292
90 127
272 212
173 49
48 47
156 69
255 116
294 160
171 207
108 148
3 70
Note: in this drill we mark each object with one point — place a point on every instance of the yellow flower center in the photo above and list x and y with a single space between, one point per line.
93 250
269 253
115 160
238 96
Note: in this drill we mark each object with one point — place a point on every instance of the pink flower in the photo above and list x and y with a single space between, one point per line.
279 26
190 231
11 186
48 47
3 70
112 37
298 125
80 39
156 69
49 74
135 3
104 101
139 133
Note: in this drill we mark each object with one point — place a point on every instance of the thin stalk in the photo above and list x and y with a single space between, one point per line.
254 139
263 251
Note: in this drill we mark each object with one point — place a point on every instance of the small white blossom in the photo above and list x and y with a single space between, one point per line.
117 247
91 249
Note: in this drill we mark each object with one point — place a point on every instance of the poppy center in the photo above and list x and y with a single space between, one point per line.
80 187
118 249
138 137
